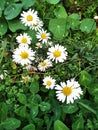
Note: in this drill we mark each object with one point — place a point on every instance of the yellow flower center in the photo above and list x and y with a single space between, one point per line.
43 36
67 91
43 63
29 18
57 53
48 83
24 55
24 40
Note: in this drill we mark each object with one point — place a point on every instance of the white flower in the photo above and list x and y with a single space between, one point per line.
96 17
3 75
44 65
29 17
25 78
57 53
43 36
68 91
36 25
31 68
23 55
49 82
24 39
38 45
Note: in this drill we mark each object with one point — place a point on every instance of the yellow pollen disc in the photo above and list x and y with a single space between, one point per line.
43 36
57 53
24 40
67 91
24 55
43 63
48 83
29 18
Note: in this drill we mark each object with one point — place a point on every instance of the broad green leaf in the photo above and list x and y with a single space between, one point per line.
58 125
88 25
78 124
53 1
12 11
58 27
93 89
71 108
34 87
11 124
3 111
60 12
85 78
29 127
75 16
15 25
34 111
2 4
21 111
44 106
27 3
3 27
74 23
22 98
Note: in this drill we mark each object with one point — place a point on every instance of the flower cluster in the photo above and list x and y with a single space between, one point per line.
27 57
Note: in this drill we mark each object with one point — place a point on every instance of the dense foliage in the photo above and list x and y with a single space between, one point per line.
26 103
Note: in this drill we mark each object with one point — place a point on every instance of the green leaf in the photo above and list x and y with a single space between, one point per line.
34 111
93 89
29 127
78 124
75 16
53 1
12 11
15 25
60 12
3 27
58 125
88 25
2 4
34 87
11 124
71 108
27 3
85 78
3 111
44 106
22 98
58 27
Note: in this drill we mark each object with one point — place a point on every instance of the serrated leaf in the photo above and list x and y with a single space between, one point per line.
60 12
85 78
71 108
44 106
88 25
29 127
58 125
12 11
27 3
53 1
22 98
58 28
3 27
15 25
11 123
34 87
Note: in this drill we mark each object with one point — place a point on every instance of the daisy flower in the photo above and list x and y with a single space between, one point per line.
36 25
31 68
23 39
68 91
57 53
49 82
29 17
44 65
43 36
23 55
38 45
3 75
25 78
